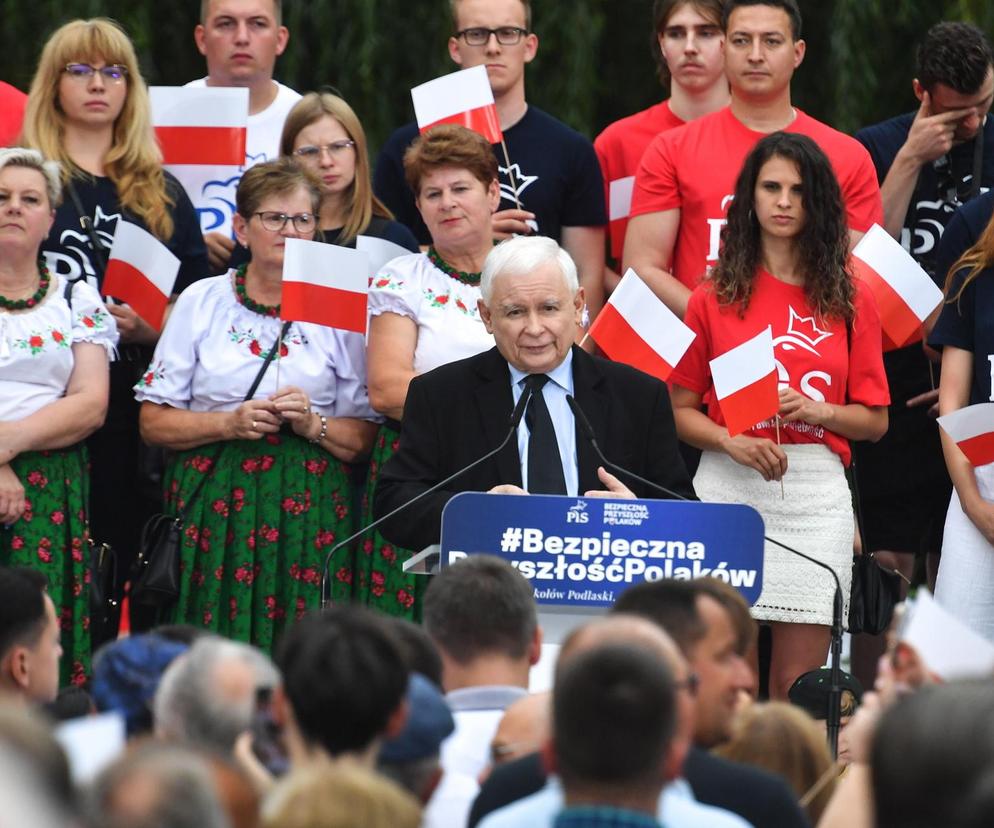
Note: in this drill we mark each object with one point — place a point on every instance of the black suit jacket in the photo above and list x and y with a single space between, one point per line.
456 413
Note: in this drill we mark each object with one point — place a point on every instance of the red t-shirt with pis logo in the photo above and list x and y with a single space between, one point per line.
812 356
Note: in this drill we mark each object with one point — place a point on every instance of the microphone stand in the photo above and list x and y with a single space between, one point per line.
515 419
834 719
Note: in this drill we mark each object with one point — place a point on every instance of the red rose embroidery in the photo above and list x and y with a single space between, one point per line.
388 553
57 517
255 347
404 598
88 321
57 336
344 575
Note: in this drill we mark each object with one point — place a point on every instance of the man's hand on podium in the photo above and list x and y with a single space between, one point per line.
613 487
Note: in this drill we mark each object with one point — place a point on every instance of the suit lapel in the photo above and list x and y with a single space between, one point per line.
494 402
591 395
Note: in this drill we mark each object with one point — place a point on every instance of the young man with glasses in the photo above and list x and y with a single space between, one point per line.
553 170
241 40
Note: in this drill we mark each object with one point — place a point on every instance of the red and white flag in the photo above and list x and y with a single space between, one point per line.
463 98
325 284
619 208
745 383
905 293
636 328
972 429
141 271
201 125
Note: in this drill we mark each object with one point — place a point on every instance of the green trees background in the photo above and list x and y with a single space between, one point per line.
593 65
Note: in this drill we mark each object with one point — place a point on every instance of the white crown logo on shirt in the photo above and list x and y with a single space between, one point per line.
519 178
802 331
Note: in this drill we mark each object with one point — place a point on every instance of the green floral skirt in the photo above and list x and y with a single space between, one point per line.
51 537
256 536
380 582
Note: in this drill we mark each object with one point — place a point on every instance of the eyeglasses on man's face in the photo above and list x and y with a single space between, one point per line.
313 153
275 222
480 36
115 73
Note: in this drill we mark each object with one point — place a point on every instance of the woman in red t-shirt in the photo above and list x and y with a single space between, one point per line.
784 264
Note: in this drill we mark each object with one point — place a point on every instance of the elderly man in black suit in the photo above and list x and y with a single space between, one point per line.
453 415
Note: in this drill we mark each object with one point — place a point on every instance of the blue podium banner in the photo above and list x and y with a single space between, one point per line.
584 552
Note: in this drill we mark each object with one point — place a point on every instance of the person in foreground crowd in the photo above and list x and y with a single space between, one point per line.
480 613
261 481
964 333
56 339
688 46
928 162
553 170
424 313
89 110
614 716
530 301
785 264
678 212
240 41
29 638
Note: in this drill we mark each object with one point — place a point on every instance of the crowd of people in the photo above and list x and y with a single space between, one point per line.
271 441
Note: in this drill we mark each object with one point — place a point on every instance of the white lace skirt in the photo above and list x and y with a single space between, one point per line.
815 517
965 583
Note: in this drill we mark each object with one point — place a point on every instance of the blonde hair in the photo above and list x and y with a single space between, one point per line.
133 163
339 795
361 203
975 260
785 740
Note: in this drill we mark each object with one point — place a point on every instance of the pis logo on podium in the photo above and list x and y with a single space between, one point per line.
577 513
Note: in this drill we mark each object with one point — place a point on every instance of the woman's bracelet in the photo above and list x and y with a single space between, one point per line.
324 429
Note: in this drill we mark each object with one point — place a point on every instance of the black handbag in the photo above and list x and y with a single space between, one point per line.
155 579
875 593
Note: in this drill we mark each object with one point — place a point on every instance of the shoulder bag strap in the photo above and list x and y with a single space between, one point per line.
181 514
87 224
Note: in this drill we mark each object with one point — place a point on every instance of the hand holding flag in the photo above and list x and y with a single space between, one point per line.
325 284
200 125
636 328
745 383
141 271
905 293
972 429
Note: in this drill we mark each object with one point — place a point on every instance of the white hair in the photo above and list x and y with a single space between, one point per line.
523 254
34 160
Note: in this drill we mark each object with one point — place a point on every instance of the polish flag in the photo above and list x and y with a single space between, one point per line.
972 429
463 98
619 202
201 125
325 284
141 271
636 328
745 383
380 251
905 293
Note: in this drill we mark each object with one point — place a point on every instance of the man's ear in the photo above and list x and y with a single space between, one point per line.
485 315
15 669
535 647
397 720
199 39
548 756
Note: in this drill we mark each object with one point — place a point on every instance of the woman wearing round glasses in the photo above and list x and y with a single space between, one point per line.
424 314
89 109
262 480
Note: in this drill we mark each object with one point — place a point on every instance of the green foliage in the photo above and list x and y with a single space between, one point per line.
593 65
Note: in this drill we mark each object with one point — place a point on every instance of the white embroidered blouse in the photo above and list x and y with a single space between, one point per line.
213 346
36 359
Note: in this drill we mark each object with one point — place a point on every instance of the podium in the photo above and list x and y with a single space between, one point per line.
580 553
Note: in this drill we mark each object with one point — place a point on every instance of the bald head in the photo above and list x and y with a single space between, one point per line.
623 629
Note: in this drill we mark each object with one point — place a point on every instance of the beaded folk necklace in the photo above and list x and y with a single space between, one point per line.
472 279
243 297
44 280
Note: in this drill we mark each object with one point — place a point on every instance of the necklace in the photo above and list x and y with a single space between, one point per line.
243 297
44 279
472 279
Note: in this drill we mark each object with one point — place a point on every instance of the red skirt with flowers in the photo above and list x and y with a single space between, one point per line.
256 537
380 581
51 536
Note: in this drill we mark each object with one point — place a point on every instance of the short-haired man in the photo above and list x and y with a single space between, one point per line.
240 40
553 170
929 162
687 176
344 686
531 303
480 613
29 638
688 45
614 716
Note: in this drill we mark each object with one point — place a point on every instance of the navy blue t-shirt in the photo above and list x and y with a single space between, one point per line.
68 251
554 171
942 185
962 233
968 324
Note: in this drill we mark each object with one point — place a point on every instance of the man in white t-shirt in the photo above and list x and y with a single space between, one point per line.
241 40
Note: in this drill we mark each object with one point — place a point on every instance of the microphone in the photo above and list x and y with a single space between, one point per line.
835 694
513 423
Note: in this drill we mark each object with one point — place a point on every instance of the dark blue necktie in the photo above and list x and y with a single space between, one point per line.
545 466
